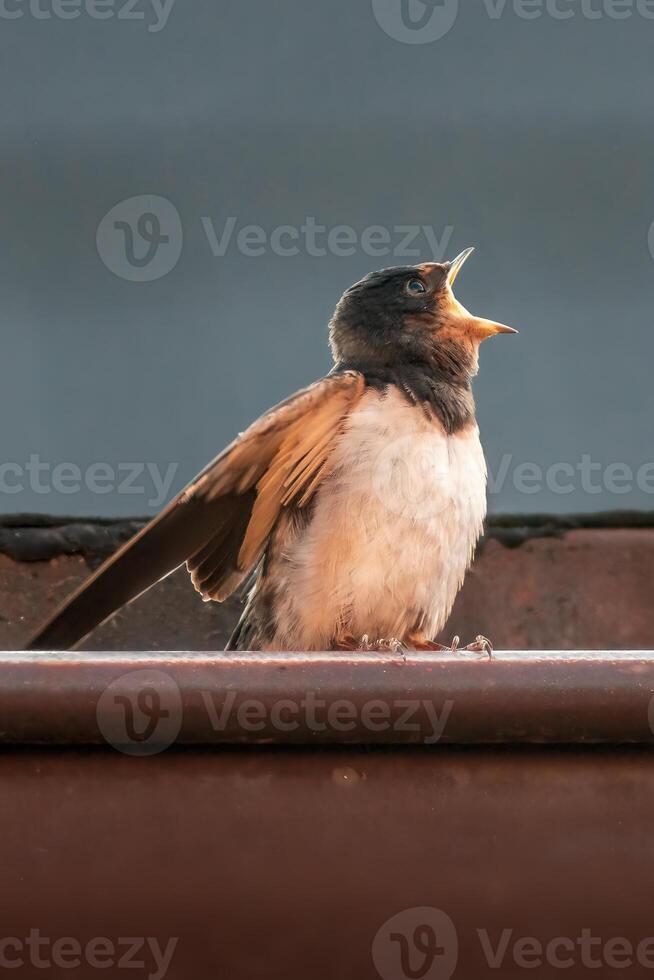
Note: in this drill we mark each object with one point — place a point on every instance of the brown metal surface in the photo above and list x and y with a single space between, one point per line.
270 863
173 854
145 702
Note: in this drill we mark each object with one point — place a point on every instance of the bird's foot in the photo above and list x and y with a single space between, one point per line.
480 644
364 644
347 641
393 645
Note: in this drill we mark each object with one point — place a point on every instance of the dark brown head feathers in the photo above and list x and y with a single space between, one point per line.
404 326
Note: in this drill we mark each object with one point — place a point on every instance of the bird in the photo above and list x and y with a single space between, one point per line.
350 512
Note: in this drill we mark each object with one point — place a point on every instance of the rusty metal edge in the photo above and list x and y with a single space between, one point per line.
41 537
144 702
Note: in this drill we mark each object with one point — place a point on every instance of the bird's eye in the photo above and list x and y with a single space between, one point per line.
414 287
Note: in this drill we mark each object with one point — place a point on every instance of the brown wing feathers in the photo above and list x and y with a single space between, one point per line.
296 468
214 570
221 522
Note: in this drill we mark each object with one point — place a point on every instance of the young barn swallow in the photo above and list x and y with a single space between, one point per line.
357 503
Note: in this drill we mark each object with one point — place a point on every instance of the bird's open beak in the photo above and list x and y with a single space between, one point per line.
457 264
482 328
488 328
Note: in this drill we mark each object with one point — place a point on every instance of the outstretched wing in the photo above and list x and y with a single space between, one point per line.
220 523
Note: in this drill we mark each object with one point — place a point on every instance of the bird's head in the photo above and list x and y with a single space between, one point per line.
410 314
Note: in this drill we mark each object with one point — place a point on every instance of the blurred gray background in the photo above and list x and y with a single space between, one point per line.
529 138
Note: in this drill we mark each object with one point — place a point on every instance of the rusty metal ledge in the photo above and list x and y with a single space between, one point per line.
145 702
42 537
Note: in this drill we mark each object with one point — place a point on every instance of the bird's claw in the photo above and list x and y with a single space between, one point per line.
481 644
365 645
393 645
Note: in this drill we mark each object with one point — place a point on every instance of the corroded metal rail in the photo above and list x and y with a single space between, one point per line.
193 698
329 816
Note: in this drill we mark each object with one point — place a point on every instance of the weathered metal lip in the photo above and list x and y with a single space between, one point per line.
144 702
176 657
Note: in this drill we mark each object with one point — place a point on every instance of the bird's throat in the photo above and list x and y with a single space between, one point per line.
441 388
